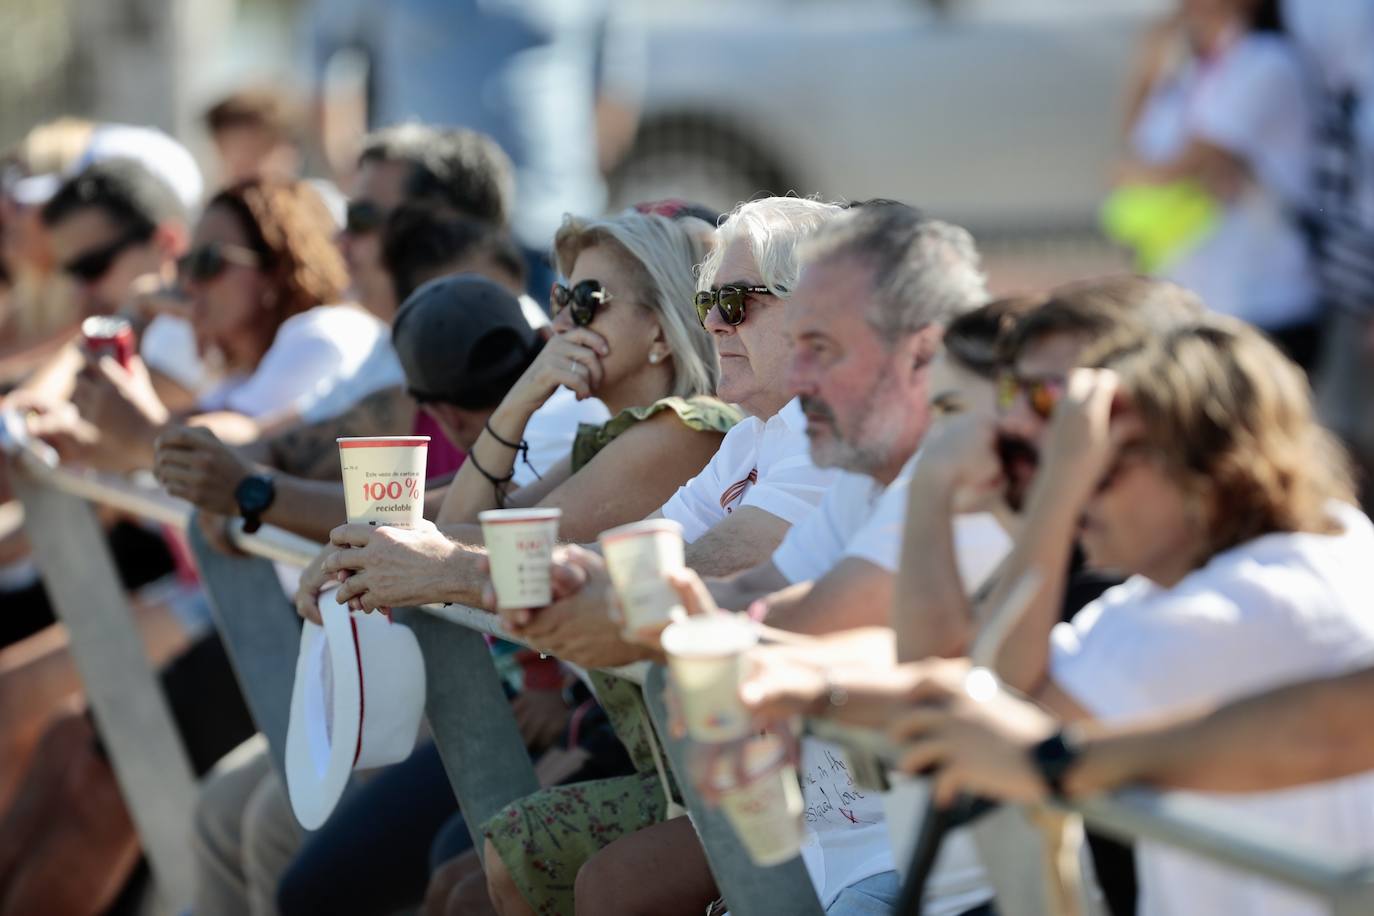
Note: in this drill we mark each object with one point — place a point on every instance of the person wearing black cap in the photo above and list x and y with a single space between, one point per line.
461 340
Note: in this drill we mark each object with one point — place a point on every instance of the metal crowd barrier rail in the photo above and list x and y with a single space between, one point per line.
467 710
476 735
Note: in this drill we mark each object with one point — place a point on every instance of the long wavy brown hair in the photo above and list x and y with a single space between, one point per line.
1231 420
288 225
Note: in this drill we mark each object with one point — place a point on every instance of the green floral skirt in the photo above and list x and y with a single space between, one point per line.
545 838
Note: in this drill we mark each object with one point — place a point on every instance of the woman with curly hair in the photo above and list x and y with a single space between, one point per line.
263 278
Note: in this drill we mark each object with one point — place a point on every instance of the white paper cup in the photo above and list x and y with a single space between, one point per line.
766 810
520 550
384 479
707 657
637 556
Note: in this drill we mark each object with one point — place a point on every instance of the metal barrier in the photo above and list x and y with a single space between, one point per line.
471 720
473 727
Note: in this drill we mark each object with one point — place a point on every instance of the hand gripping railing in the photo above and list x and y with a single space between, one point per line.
1187 823
468 713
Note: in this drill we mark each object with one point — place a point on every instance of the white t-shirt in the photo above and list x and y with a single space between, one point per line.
814 545
315 352
551 430
1279 609
860 518
169 346
765 464
380 369
846 837
1251 101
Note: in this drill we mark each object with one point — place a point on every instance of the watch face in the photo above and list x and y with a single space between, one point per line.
254 493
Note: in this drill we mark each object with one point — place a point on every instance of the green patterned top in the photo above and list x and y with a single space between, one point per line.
702 412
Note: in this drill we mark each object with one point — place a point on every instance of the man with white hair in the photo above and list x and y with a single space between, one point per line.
877 287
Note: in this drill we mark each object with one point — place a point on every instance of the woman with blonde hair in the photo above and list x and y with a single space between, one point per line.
624 331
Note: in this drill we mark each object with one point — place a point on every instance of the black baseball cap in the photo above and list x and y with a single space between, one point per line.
463 340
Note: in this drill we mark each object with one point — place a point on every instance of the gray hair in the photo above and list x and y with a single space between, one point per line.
774 227
925 271
661 253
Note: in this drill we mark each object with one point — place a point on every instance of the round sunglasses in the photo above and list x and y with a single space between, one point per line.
208 261
1041 394
581 301
730 300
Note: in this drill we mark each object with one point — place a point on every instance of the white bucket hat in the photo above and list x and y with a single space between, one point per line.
356 704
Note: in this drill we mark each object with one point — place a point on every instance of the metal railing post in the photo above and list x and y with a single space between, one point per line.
748 889
260 631
131 713
474 728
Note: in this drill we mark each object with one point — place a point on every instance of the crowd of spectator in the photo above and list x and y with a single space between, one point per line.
1047 545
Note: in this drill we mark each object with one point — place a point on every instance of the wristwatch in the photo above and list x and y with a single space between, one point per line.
1054 757
254 494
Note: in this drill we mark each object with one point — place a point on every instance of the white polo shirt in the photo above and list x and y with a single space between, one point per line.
859 517
761 463
1277 610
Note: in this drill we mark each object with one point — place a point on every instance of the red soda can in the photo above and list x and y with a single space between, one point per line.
109 335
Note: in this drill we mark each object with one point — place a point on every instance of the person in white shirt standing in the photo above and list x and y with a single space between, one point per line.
1224 106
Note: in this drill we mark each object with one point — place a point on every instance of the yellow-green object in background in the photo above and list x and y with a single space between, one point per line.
1159 221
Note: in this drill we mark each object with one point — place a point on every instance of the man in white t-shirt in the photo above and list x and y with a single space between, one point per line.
876 288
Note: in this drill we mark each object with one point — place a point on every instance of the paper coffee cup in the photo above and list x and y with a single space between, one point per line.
520 550
766 810
707 658
637 556
384 479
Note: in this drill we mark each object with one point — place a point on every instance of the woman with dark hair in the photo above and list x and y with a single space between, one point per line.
261 276
1218 164
264 280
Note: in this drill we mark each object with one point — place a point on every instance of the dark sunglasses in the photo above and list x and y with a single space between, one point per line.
582 300
363 216
207 262
91 266
1041 394
730 300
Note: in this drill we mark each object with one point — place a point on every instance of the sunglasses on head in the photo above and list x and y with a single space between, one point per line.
362 217
1041 394
93 265
730 300
581 300
207 262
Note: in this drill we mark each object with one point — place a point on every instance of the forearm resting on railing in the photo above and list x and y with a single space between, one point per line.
1302 733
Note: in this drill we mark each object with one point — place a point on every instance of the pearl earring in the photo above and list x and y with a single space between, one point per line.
654 358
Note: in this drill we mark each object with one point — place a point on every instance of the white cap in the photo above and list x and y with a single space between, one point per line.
357 703
162 156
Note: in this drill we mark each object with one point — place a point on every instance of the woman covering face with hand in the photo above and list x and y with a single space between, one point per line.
1192 463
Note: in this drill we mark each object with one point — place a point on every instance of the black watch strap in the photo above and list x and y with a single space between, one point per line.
1054 757
254 495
